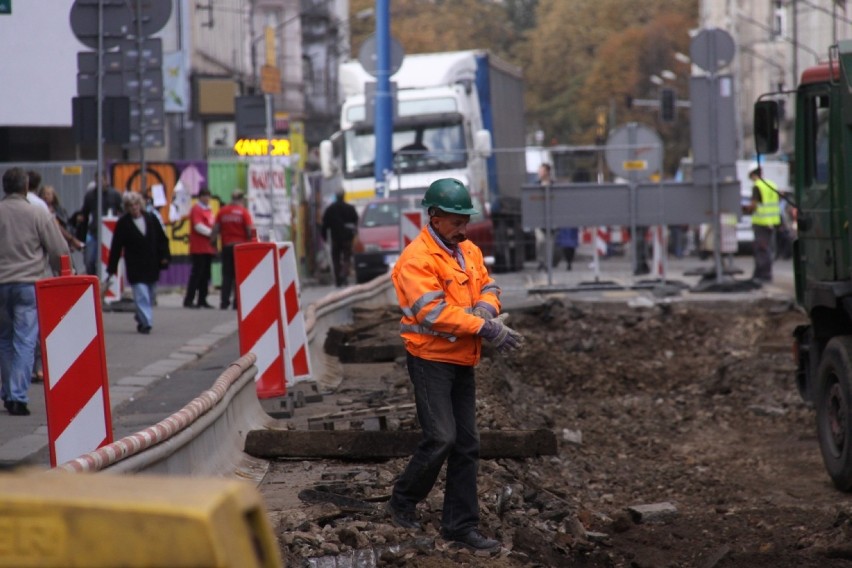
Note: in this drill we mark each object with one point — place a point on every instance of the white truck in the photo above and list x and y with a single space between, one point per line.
452 109
458 114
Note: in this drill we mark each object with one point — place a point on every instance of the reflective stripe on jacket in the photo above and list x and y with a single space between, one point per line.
437 298
768 211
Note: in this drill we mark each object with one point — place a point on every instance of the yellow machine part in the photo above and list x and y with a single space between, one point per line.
67 520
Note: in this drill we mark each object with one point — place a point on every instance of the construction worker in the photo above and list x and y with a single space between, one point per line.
449 304
765 216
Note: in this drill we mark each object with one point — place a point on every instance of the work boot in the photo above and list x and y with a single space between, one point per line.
403 519
475 540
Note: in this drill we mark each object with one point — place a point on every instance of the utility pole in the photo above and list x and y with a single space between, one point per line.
384 107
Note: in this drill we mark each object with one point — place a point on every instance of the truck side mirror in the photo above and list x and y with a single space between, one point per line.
766 127
326 155
482 143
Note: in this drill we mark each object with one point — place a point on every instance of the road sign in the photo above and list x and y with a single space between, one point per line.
151 139
152 53
116 22
152 112
634 165
250 116
712 49
116 119
150 84
634 150
270 80
87 62
369 58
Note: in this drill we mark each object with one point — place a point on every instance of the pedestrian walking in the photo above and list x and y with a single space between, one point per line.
449 304
28 235
340 221
33 188
201 251
48 194
234 225
567 239
140 237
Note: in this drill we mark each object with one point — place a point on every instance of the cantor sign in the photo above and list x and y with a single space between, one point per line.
262 147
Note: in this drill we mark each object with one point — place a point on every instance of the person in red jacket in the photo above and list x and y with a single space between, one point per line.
449 304
201 251
235 225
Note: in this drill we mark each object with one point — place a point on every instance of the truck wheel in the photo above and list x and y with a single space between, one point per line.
834 411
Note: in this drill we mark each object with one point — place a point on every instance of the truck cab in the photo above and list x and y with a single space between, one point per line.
821 253
438 128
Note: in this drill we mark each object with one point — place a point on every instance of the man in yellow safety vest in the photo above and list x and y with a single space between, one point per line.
765 213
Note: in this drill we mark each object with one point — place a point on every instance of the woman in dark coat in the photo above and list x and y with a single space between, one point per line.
140 236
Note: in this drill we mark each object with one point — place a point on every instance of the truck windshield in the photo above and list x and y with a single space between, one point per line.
417 148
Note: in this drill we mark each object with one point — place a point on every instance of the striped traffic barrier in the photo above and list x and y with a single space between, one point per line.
297 359
114 287
412 224
75 371
599 237
659 258
259 309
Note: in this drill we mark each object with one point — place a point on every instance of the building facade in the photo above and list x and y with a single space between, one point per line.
775 41
212 51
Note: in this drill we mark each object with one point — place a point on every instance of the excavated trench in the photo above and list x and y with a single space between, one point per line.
681 442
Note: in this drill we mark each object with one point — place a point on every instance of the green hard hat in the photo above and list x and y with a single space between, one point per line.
450 195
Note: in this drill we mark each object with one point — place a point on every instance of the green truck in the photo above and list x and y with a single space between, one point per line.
823 251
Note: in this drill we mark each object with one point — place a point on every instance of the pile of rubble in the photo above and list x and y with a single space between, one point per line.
682 442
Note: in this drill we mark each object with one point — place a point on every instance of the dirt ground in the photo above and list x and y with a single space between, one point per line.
687 407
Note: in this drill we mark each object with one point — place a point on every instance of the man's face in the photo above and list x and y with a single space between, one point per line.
452 227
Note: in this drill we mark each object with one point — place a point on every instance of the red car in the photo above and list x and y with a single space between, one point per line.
378 233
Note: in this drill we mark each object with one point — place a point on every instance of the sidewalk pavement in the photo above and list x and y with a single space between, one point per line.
180 337
152 376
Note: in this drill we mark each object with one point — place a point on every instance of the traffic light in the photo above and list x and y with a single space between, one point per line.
668 103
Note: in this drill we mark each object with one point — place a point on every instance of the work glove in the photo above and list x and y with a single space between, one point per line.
501 336
484 311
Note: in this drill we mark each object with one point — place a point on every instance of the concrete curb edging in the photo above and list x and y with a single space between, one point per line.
205 437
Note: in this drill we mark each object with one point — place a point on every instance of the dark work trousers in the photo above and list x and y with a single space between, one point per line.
227 276
199 279
445 396
762 252
341 258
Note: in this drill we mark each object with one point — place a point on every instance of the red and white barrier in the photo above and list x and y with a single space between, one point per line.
75 372
659 258
412 224
115 286
599 237
261 328
297 358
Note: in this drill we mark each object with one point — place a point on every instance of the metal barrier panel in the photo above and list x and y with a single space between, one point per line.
75 374
69 179
260 314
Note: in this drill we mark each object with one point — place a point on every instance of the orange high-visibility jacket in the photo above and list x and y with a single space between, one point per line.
437 297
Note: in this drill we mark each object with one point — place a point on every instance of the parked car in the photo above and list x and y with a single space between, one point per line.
378 233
